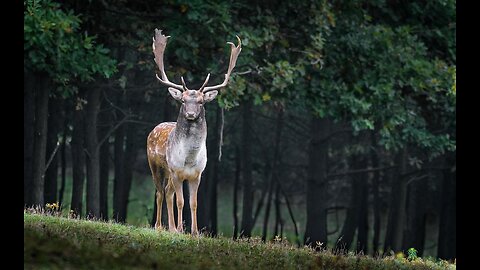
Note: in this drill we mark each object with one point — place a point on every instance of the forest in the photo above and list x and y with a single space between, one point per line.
336 130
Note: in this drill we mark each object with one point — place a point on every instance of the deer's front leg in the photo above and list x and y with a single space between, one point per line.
178 185
192 189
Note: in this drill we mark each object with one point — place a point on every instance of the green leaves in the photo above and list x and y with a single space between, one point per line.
282 74
378 75
412 254
53 44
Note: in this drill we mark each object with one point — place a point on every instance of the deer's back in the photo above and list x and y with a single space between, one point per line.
157 144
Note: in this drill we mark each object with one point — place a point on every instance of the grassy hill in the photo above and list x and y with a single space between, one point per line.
63 243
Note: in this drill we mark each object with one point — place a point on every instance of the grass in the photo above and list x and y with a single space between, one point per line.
140 210
52 242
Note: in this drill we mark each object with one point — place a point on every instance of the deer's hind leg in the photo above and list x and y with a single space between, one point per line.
159 180
170 191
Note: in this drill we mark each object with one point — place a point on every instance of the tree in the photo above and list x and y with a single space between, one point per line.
316 228
93 152
56 54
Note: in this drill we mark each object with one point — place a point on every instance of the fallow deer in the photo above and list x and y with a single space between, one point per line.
177 151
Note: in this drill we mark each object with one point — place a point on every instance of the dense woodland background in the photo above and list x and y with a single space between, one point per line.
338 128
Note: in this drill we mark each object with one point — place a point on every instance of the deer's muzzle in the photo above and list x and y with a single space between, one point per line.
190 116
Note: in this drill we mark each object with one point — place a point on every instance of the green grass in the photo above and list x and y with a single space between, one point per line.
63 243
140 210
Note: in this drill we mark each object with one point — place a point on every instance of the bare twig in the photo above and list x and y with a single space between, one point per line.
119 123
417 178
113 105
361 171
220 143
51 158
290 212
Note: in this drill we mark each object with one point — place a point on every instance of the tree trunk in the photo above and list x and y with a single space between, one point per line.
376 197
119 181
51 174
203 193
40 141
267 210
316 228
28 136
276 171
78 158
215 165
396 215
63 157
345 239
104 178
247 218
447 237
278 213
263 195
290 212
362 214
216 173
236 186
104 164
130 157
93 152
119 177
357 212
417 214
272 170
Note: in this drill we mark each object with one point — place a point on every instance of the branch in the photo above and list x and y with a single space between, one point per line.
51 158
417 178
220 142
113 105
125 118
361 171
141 122
290 212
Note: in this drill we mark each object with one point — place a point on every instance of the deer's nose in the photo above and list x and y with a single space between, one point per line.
190 115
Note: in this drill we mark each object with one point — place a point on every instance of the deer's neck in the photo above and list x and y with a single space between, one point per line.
187 144
195 132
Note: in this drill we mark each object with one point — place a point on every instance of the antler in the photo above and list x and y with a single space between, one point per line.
205 83
158 46
233 59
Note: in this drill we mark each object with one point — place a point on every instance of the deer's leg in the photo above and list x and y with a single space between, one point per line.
158 181
158 222
178 185
193 189
170 191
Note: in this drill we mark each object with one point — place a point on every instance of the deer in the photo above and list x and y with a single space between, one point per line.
176 151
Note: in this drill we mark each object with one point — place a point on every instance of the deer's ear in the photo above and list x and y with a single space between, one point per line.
175 93
209 96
